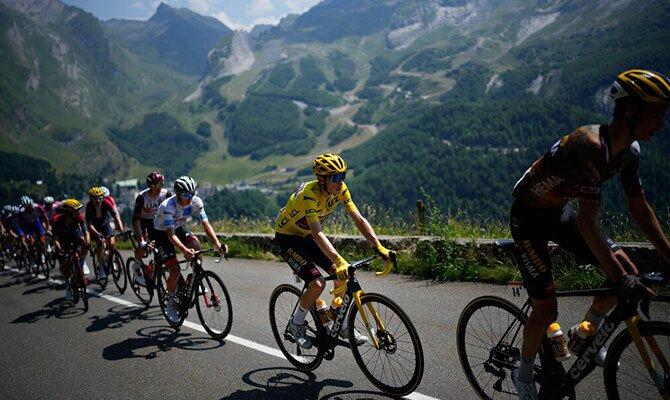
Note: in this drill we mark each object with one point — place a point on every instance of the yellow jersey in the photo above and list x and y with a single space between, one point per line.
306 205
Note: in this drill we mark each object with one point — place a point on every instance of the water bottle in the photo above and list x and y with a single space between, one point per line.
188 282
321 311
578 334
334 307
559 347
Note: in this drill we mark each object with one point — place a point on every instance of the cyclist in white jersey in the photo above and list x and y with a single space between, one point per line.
146 205
171 233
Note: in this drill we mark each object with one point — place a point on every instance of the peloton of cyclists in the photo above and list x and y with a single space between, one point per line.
576 166
304 246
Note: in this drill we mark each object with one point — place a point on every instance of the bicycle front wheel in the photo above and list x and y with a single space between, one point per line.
96 270
80 284
627 377
283 302
213 305
118 271
396 367
489 336
141 291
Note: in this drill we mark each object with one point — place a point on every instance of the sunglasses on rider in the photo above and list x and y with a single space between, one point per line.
99 198
187 195
156 185
337 178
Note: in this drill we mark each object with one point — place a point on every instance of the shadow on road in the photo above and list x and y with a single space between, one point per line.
157 339
57 308
288 383
121 315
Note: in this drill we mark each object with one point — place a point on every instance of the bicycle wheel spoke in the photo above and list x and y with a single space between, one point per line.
397 366
213 305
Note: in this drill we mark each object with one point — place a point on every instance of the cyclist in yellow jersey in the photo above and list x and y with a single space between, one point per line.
303 244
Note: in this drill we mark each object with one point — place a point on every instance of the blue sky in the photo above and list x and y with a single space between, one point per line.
236 14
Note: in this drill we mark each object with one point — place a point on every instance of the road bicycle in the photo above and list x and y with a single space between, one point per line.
489 336
202 289
113 264
77 277
36 257
392 358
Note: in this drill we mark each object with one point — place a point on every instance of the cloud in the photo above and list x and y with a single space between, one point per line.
199 6
138 5
221 16
260 7
300 6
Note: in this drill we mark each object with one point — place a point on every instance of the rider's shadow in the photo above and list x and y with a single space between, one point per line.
120 315
283 383
57 308
43 287
154 340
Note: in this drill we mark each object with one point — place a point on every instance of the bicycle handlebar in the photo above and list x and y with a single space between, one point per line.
361 264
199 252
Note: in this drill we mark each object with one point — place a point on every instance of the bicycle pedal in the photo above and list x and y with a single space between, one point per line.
329 354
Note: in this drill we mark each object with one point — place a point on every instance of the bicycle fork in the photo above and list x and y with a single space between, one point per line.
657 378
380 325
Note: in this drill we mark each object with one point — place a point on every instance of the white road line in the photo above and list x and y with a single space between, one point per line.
232 338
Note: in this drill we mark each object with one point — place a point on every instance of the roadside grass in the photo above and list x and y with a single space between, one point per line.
446 258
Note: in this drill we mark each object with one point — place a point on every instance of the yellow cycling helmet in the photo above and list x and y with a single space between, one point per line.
641 85
329 164
71 205
95 192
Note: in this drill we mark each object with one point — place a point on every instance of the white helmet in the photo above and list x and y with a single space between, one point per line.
26 201
105 191
185 184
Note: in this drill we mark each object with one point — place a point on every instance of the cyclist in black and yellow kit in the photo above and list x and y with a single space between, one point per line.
303 244
575 167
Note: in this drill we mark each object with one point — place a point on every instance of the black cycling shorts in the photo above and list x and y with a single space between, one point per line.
532 229
303 255
166 251
147 225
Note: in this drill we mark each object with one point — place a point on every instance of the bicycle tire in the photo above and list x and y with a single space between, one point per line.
49 253
163 299
396 368
118 271
96 271
143 293
80 286
43 263
283 301
213 305
626 376
496 317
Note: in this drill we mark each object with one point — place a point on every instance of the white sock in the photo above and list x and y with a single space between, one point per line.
299 316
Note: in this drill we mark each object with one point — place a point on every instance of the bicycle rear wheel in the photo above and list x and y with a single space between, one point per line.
118 271
489 336
143 293
213 305
626 376
396 367
283 302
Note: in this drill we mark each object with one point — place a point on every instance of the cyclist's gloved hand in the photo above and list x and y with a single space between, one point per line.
341 268
632 286
383 251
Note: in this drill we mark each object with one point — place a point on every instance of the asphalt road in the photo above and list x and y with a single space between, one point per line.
122 350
